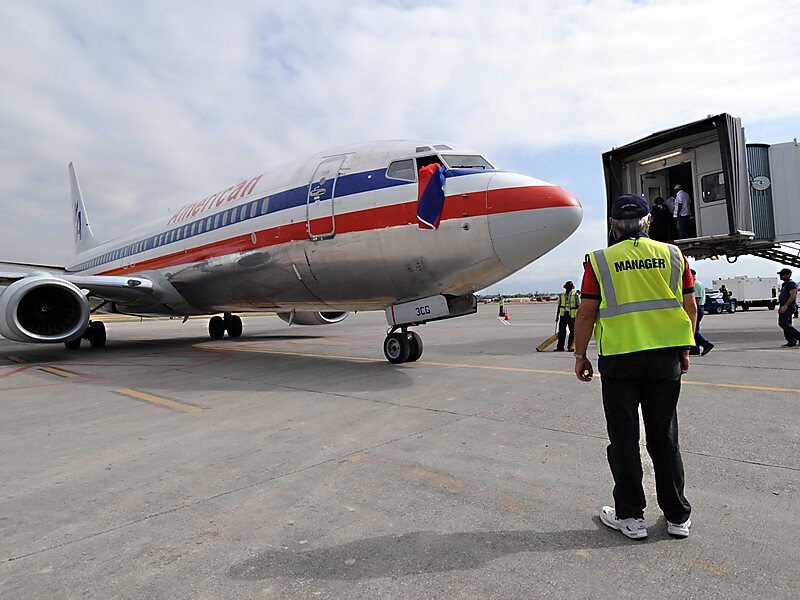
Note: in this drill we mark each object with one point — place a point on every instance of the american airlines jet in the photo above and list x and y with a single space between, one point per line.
410 227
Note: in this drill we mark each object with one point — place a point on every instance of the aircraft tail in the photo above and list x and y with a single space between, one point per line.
81 231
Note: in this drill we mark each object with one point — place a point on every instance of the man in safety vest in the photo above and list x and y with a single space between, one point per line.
638 294
568 303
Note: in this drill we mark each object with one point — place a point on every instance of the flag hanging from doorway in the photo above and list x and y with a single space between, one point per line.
431 196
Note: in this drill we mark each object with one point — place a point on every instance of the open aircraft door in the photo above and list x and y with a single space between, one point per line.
320 218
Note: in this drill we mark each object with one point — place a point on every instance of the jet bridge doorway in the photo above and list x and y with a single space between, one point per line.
320 217
661 182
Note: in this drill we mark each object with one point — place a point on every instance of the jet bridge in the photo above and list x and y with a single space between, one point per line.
745 198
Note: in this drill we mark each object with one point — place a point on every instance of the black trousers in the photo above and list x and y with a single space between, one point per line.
651 379
565 321
789 332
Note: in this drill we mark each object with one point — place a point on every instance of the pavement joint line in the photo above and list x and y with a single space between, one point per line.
492 368
181 507
137 395
16 359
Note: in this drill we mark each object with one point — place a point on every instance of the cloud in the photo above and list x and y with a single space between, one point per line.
159 104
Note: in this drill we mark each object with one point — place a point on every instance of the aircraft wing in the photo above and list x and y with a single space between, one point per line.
105 287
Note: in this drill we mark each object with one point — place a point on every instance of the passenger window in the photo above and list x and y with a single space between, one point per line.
401 169
264 206
253 209
225 216
216 221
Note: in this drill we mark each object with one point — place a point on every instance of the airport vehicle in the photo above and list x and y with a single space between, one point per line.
314 239
744 197
716 305
752 291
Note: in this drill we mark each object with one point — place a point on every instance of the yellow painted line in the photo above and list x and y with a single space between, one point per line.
490 368
158 400
58 372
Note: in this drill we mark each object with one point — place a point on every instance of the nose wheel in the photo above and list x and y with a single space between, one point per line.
403 346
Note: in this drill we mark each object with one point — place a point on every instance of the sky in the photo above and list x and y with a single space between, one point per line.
162 103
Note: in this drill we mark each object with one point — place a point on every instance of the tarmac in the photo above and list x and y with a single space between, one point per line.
296 462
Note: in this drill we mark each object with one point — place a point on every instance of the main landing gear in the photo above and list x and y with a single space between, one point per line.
95 333
217 326
402 346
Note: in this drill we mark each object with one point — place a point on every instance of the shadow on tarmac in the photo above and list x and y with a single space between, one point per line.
418 552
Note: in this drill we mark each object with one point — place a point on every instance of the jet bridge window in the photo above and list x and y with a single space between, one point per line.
466 161
401 169
713 187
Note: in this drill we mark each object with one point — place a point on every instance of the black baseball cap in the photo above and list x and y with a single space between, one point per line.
629 206
785 271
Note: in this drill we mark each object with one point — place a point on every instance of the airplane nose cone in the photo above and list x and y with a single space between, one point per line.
528 217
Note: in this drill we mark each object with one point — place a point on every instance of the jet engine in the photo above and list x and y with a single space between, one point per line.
313 318
43 308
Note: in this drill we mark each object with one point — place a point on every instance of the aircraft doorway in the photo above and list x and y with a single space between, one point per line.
319 205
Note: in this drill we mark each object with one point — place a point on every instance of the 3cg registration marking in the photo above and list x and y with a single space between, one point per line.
423 311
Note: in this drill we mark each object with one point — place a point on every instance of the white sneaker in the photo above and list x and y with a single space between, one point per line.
632 528
680 530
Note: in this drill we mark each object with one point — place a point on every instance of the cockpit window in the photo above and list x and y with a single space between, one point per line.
401 169
466 161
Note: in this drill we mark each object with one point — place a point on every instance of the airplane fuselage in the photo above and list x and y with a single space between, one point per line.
339 231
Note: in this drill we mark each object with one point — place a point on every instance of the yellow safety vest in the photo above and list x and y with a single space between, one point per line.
641 284
573 303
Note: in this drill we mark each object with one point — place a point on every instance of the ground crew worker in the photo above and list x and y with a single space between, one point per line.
568 303
502 312
639 296
787 300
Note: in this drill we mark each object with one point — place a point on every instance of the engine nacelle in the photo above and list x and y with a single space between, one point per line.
43 308
313 318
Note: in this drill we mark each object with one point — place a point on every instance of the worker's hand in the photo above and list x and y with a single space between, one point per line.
782 309
583 369
684 362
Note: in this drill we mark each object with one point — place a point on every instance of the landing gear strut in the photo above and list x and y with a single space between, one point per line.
402 346
95 333
217 326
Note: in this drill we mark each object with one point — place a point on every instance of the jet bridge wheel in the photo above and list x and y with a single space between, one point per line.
216 328
397 348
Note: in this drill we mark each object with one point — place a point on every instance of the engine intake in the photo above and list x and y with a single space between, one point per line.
313 318
43 308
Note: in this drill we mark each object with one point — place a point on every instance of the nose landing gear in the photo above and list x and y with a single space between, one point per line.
217 326
402 346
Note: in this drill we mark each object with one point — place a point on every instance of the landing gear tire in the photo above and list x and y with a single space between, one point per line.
216 328
397 348
234 326
73 344
96 334
416 346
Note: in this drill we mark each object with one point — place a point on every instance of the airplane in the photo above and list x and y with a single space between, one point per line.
313 240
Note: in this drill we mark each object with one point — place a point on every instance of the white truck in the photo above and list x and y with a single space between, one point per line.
751 291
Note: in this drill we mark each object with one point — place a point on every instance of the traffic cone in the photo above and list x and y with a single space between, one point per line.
506 317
